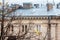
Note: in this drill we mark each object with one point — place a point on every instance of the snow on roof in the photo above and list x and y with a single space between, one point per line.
42 11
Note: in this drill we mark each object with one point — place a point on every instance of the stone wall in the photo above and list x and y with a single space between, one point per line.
31 24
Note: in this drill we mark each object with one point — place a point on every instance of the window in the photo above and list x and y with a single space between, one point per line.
24 28
38 28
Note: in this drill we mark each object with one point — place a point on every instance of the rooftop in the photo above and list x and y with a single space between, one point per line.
42 11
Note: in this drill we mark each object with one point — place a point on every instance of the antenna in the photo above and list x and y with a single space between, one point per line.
47 1
53 2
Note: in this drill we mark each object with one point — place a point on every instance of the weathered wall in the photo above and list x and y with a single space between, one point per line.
55 27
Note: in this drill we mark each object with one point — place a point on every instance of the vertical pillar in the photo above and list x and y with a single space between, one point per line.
49 32
56 31
49 29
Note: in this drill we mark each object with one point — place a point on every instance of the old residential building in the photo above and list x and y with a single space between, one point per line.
36 24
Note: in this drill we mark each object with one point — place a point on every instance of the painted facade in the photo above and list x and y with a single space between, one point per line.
35 27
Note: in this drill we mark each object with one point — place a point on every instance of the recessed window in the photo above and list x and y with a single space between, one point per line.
24 28
38 28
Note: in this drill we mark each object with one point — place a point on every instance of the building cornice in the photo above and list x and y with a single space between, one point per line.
33 17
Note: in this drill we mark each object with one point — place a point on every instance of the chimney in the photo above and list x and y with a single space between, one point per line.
58 5
36 5
49 6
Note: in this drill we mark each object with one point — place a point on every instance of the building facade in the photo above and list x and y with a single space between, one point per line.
32 24
36 28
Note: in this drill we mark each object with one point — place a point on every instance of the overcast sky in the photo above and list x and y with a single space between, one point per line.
32 1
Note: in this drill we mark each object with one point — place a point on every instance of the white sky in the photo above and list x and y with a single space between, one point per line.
33 1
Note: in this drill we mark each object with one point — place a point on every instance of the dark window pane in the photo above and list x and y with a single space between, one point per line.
25 28
22 28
